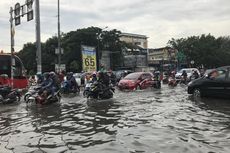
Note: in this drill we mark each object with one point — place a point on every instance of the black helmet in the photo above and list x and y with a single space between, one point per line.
52 74
46 75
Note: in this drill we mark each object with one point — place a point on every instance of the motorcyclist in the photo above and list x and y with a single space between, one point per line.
56 85
40 78
94 77
112 77
184 76
103 78
72 83
101 87
47 85
32 80
195 74
172 80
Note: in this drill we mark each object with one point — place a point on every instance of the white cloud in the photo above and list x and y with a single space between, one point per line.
160 20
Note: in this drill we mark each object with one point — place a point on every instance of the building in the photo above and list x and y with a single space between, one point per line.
160 57
135 39
135 52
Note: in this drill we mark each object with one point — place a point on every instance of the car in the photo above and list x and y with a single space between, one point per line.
189 72
216 84
137 80
208 71
121 73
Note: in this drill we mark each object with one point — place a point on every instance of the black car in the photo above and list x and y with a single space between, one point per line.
215 84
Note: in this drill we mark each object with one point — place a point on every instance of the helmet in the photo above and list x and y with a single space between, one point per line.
52 74
4 76
46 75
70 74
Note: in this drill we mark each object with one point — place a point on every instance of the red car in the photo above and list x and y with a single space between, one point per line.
137 80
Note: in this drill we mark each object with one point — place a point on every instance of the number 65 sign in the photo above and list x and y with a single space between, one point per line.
89 61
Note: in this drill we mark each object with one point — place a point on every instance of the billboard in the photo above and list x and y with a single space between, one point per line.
89 61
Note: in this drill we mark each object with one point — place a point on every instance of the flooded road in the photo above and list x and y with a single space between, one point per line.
154 121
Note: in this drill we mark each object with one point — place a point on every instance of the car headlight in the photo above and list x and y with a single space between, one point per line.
190 83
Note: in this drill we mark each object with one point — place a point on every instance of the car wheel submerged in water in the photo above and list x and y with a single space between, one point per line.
196 92
138 87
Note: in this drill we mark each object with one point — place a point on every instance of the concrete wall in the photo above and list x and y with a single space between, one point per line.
135 61
105 59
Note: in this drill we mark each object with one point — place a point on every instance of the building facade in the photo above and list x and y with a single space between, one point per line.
135 53
135 39
161 57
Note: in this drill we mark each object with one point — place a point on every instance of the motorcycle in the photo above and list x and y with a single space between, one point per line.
172 82
8 95
32 90
100 91
87 89
65 88
42 97
183 80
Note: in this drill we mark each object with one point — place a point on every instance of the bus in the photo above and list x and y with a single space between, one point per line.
19 79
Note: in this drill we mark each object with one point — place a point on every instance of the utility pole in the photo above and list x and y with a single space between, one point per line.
59 38
12 46
18 11
38 37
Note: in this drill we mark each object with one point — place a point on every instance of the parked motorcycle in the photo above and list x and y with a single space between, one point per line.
8 95
42 97
98 90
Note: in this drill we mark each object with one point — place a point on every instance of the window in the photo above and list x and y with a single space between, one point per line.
221 74
228 76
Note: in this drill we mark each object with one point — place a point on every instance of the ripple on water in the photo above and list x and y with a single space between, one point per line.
156 121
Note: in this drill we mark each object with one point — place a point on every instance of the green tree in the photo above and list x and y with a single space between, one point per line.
71 43
205 50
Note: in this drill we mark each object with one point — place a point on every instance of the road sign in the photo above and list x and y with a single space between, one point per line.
89 60
57 51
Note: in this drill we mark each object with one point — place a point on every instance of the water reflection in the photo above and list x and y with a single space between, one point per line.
165 120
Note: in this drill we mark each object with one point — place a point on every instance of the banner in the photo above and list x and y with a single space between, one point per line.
89 61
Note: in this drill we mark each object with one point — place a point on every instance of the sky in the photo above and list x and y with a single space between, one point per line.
159 20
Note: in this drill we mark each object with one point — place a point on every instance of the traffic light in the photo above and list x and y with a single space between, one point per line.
30 13
17 16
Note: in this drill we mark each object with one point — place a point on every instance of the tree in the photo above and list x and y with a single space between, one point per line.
71 43
204 50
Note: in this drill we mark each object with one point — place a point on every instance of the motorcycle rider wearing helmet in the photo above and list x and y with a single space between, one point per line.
40 78
112 77
94 77
184 76
103 78
55 80
47 85
72 81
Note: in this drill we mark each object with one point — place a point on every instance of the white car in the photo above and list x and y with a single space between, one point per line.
189 72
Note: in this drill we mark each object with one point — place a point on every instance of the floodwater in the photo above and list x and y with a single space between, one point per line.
153 121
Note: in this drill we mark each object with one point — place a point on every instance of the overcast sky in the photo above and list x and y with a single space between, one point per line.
160 20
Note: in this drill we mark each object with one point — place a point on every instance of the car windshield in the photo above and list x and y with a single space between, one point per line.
132 76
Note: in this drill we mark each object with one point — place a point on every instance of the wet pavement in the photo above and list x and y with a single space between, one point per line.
152 121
